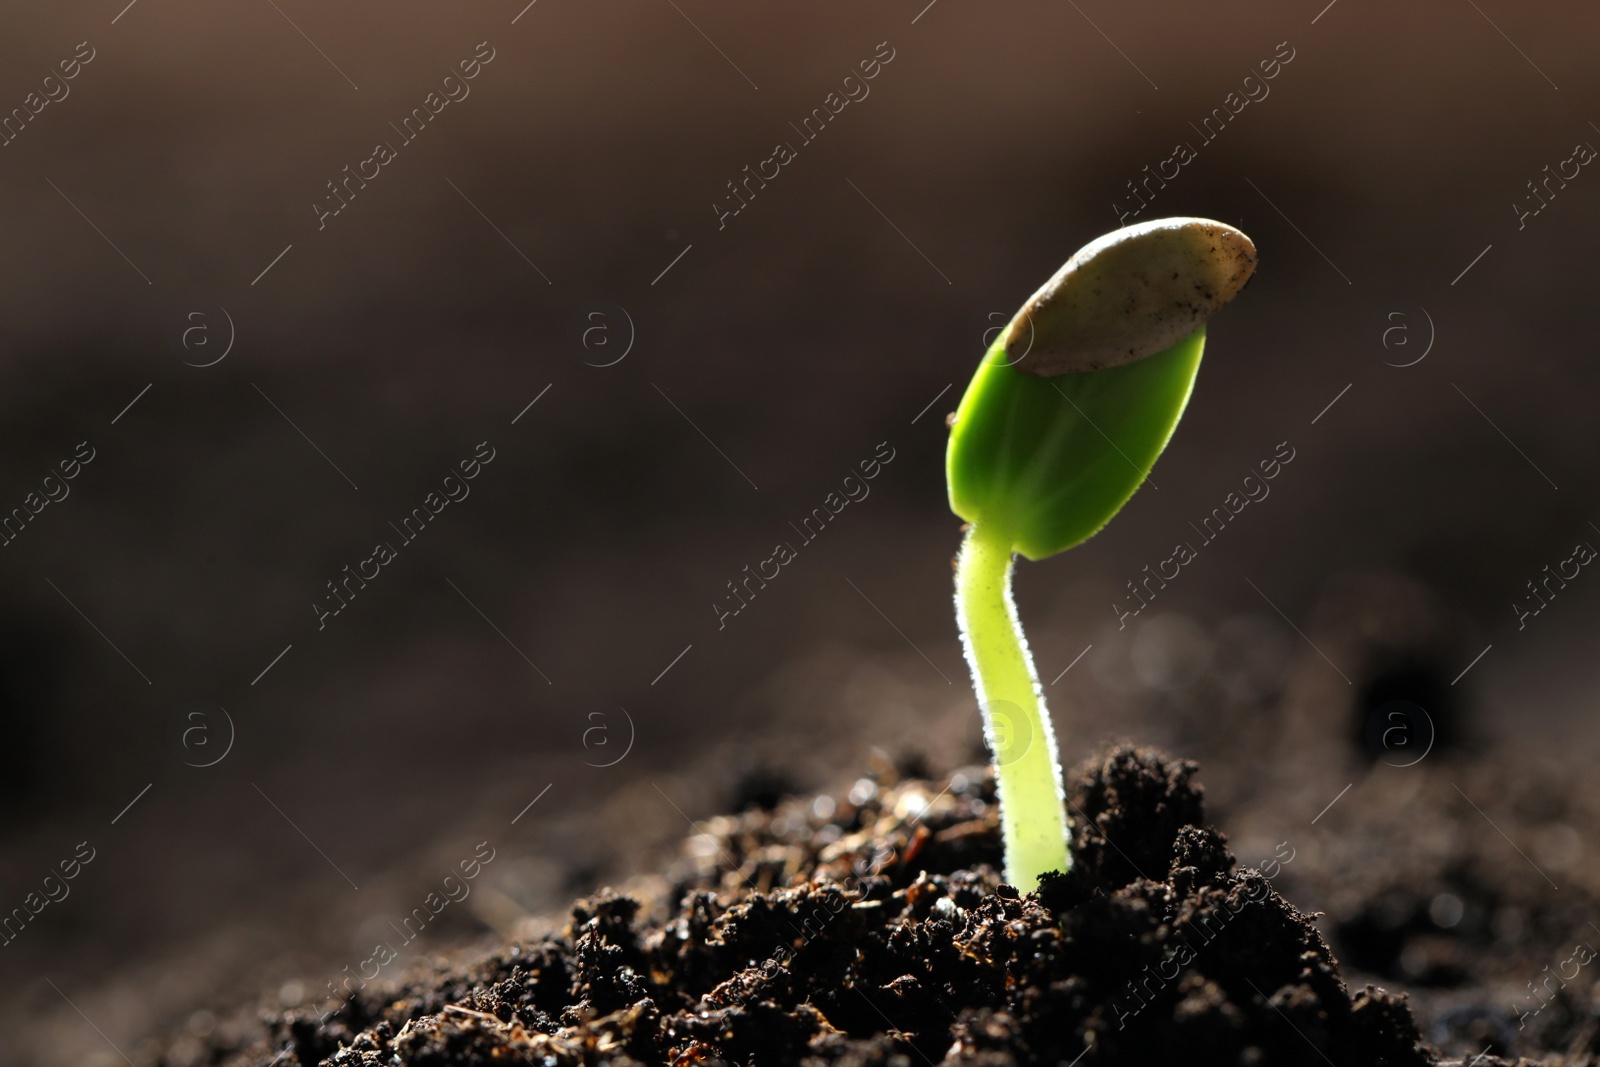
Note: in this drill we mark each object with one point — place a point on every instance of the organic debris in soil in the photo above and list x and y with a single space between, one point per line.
880 933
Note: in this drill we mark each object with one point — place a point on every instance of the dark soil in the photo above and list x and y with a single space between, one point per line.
879 932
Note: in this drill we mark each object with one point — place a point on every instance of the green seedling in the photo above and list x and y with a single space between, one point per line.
1067 413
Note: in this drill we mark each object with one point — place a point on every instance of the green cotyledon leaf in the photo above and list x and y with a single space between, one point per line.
1051 460
1073 404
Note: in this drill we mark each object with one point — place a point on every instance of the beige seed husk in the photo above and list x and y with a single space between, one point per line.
1129 295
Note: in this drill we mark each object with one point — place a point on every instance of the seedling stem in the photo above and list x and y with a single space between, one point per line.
1016 723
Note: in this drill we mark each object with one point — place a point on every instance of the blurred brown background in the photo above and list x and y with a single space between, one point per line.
829 315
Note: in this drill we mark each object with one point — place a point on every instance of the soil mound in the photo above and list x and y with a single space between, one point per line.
879 932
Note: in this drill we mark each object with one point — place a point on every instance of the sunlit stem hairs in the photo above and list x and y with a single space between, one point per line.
1067 413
